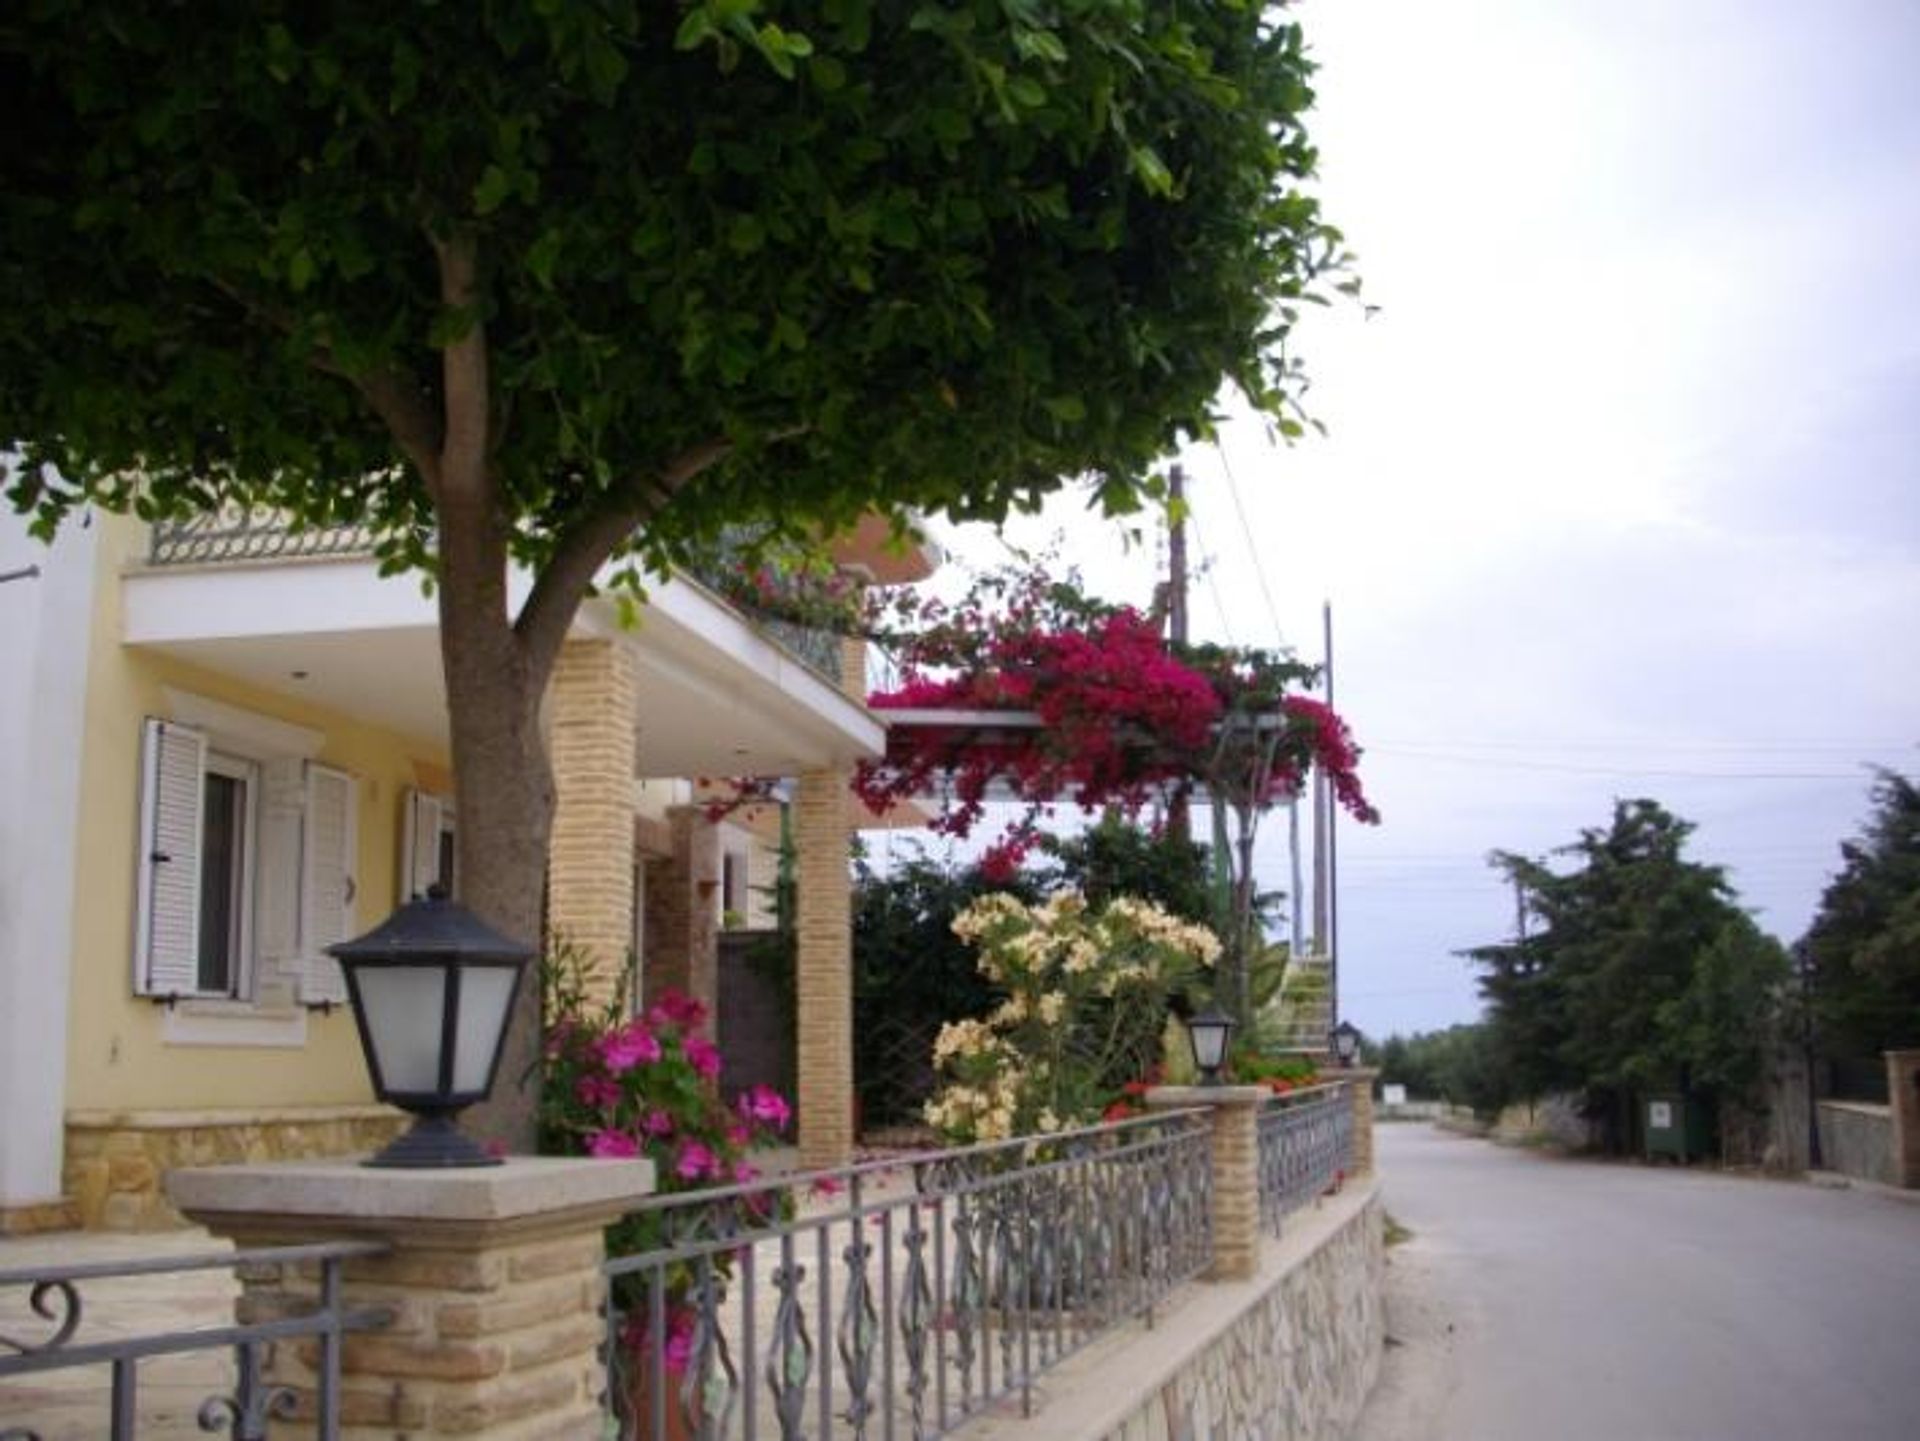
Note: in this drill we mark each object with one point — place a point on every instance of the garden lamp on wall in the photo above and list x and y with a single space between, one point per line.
1209 1031
1346 1042
432 988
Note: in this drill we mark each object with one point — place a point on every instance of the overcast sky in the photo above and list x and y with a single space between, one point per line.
1620 492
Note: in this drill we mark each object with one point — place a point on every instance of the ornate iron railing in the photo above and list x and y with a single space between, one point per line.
899 1298
242 1405
237 534
1306 1147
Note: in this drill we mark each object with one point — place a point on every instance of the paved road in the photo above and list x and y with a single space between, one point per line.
1544 1299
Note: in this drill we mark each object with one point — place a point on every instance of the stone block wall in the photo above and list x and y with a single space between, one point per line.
1296 1366
116 1161
1856 1139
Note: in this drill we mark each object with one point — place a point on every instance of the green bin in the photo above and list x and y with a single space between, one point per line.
1676 1127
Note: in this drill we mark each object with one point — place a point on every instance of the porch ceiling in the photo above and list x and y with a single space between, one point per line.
717 697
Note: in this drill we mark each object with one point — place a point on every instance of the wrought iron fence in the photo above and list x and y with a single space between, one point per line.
239 533
242 1404
1306 1145
899 1298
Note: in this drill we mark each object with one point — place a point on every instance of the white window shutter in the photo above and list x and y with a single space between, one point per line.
280 973
328 849
166 960
419 845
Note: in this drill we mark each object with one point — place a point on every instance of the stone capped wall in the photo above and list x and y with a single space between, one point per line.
115 1161
1297 1366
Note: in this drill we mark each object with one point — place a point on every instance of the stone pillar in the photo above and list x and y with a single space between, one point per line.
1359 1081
593 705
824 979
1236 1170
683 913
494 1283
1903 1096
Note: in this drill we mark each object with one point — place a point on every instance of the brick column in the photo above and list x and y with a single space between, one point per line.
494 1282
593 705
1360 1096
824 980
1903 1095
1236 1170
683 913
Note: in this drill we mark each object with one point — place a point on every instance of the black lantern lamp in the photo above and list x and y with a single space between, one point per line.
432 988
1209 1031
1346 1043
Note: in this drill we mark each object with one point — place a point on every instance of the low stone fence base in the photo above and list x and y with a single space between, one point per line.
116 1161
1290 1355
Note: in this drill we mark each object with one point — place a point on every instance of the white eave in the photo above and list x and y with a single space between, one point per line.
717 696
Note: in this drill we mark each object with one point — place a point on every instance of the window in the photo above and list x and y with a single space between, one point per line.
247 858
426 844
230 787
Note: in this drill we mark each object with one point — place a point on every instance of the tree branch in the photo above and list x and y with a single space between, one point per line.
584 547
390 396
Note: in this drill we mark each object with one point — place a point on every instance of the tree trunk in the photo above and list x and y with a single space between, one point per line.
504 794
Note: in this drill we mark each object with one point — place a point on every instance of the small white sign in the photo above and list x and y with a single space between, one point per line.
1394 1095
1660 1115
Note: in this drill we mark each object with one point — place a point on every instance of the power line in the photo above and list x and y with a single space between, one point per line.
1253 551
1569 768
1671 747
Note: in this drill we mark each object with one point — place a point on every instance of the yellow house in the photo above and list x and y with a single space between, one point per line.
230 748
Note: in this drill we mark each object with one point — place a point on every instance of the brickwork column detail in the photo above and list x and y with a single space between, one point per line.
1236 1170
1903 1096
1359 1081
593 709
494 1285
824 1045
683 913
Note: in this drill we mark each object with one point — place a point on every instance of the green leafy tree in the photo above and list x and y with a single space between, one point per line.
559 285
1862 952
1637 970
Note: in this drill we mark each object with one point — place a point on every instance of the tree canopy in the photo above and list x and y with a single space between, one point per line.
819 256
1636 968
1862 951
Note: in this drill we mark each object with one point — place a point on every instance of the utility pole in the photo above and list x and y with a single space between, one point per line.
1177 556
1179 815
1519 910
1329 810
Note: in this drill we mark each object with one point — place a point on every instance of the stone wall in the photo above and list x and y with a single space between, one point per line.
1856 1139
116 1160
1290 1355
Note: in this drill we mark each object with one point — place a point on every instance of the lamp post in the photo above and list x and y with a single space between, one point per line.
432 988
1208 1032
1346 1043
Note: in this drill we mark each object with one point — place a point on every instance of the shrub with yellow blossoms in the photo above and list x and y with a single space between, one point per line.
1085 993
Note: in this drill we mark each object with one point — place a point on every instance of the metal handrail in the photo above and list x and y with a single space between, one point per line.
54 1295
1305 1149
903 1296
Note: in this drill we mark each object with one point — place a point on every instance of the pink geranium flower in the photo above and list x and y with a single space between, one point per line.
703 1056
676 1008
598 1091
628 1047
766 1106
696 1162
612 1144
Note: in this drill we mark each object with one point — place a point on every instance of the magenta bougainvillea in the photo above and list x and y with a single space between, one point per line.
1124 718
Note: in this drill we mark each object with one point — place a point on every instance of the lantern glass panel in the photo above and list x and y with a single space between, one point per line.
485 993
404 1008
1209 1044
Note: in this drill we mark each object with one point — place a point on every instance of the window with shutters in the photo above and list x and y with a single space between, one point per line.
247 874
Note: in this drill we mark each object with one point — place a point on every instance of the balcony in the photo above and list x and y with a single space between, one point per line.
238 535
